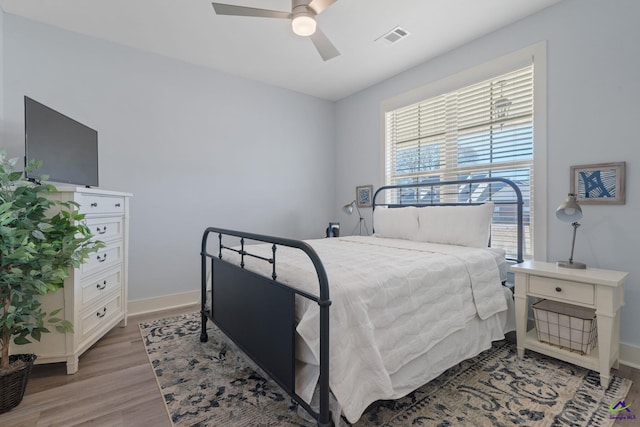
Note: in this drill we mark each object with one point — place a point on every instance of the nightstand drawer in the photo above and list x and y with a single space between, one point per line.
562 290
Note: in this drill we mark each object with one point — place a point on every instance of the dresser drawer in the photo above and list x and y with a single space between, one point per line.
100 285
100 316
108 256
93 204
107 228
562 289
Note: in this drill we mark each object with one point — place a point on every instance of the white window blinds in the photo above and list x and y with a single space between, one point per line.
482 130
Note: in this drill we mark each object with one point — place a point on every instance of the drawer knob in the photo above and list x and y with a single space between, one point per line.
117 205
558 289
102 313
101 230
94 204
101 286
103 259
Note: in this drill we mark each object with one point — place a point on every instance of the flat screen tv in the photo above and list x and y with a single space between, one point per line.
68 149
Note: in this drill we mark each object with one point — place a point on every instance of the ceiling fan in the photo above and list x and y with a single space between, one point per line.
302 16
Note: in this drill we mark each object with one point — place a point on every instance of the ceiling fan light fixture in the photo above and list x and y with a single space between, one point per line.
302 18
303 24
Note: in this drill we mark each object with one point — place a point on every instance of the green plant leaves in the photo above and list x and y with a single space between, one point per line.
14 176
37 248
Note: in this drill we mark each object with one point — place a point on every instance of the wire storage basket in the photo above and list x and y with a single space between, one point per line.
566 326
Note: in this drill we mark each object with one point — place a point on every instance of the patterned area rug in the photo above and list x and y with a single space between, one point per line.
213 384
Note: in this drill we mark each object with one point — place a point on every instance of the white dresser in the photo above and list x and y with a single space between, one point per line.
94 298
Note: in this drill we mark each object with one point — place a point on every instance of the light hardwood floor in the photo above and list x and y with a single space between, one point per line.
115 386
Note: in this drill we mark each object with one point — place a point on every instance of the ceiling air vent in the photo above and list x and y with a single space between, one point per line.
393 36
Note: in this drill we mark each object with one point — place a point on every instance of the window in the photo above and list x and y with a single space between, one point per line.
481 130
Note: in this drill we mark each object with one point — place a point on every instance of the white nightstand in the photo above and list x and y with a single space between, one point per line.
595 288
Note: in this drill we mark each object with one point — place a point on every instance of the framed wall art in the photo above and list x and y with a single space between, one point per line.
364 195
601 183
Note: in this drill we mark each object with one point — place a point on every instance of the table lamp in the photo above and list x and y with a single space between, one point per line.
570 211
348 208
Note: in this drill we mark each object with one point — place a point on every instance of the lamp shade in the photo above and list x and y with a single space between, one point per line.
570 210
348 208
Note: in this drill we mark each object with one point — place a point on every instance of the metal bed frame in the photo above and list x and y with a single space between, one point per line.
257 312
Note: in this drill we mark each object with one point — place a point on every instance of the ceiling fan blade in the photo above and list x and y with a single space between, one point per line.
320 5
325 48
229 9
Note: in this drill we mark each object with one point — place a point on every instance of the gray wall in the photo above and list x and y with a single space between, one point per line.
178 137
197 148
593 107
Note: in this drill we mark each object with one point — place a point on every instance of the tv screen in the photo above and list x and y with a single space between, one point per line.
68 149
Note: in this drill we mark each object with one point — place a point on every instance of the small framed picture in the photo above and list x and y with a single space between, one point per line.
364 193
601 183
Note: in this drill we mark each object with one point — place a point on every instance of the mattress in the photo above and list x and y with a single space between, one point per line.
393 302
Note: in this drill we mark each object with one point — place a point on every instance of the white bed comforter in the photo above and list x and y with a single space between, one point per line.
392 300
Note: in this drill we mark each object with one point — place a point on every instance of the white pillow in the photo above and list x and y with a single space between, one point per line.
396 223
456 225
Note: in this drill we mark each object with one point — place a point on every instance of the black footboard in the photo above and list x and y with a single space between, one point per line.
258 313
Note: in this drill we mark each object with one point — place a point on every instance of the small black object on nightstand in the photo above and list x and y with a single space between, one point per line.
333 230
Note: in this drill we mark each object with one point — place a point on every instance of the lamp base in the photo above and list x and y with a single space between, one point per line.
571 264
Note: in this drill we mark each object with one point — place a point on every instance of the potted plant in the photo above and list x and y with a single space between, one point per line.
40 240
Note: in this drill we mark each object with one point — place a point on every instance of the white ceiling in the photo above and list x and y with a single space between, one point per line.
266 50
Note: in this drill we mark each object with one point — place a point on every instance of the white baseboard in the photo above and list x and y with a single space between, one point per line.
630 355
165 302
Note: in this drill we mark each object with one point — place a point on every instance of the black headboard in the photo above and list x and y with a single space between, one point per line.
458 193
